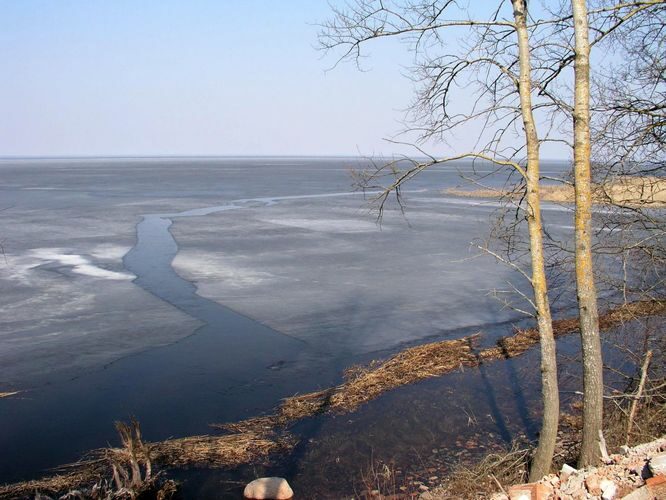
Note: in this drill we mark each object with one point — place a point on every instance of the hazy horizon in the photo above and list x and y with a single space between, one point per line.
197 79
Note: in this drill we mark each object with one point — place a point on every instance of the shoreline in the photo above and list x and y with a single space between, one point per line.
263 430
623 192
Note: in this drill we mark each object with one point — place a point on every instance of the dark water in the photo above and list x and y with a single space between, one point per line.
233 367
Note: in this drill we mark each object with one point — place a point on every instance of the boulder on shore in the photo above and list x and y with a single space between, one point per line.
268 488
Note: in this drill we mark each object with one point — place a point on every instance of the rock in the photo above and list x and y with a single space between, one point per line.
657 486
529 491
546 487
592 485
566 471
268 488
423 487
608 489
658 464
639 494
499 496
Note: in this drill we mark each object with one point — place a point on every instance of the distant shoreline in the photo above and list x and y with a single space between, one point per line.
625 191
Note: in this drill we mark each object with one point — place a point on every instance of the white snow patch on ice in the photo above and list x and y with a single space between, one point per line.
202 266
78 263
328 225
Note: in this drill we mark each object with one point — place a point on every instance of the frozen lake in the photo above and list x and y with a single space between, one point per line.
191 291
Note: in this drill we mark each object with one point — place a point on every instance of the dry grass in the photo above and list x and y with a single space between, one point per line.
498 471
412 365
407 367
125 464
622 191
650 420
523 339
364 384
493 472
255 439
216 451
53 485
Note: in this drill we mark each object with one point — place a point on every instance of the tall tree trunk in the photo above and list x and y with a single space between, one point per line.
551 398
587 296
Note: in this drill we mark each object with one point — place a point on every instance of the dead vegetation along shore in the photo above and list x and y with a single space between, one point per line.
648 192
210 451
256 438
412 365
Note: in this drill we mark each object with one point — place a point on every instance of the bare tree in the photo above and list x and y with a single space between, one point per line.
498 63
628 124
585 287
544 454
527 71
573 33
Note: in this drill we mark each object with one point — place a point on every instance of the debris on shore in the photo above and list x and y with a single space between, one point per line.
638 473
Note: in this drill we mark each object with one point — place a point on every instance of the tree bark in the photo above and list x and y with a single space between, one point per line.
551 400
586 292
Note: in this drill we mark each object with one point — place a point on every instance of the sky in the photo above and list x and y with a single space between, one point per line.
198 77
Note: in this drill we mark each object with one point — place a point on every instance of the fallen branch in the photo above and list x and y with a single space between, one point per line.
637 396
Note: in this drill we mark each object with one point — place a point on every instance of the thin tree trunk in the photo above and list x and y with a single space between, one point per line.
586 292
551 398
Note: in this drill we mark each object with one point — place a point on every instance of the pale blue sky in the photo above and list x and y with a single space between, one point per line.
127 77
